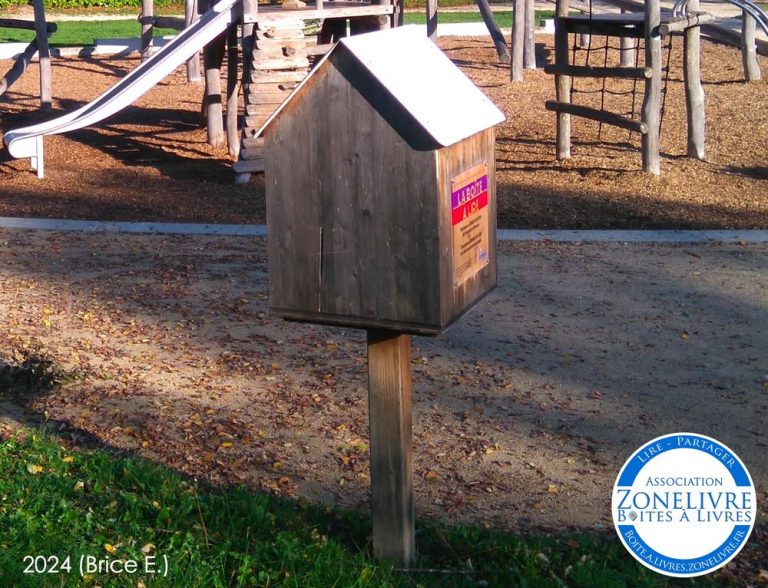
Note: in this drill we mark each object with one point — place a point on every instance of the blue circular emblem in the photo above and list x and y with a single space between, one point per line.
684 505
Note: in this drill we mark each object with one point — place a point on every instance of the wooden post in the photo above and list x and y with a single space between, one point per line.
694 91
250 12
432 19
233 91
493 28
518 40
749 48
627 52
193 65
147 24
213 57
651 110
389 397
529 52
368 24
562 82
43 55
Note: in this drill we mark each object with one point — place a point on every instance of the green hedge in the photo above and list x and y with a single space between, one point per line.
81 4
116 4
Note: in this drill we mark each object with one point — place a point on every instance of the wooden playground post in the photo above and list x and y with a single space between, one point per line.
529 50
213 58
493 28
389 398
233 91
518 41
652 101
147 25
628 46
562 82
44 55
193 65
749 47
694 91
432 19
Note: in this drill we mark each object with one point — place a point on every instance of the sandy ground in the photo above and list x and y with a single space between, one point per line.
524 411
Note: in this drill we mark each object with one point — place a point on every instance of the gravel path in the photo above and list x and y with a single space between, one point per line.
524 410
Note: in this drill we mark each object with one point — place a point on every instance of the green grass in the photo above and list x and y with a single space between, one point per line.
82 33
503 18
70 503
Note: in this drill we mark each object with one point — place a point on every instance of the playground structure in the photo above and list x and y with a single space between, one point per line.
38 45
277 56
650 26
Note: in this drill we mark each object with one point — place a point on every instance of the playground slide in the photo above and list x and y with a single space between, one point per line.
28 141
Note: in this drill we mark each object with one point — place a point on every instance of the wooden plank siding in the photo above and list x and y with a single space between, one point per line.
361 235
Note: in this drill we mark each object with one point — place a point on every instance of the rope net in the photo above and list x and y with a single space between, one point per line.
616 95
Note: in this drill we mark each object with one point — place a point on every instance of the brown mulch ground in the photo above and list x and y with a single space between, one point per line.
151 162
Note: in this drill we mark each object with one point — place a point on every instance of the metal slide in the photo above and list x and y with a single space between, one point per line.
751 8
28 141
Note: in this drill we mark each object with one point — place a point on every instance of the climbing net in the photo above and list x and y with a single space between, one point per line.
619 95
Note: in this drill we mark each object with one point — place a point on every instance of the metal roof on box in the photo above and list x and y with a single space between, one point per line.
422 79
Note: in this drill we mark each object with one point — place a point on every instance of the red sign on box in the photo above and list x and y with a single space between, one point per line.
469 218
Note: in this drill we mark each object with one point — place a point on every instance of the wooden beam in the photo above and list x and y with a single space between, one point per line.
596 114
582 71
278 63
169 22
389 401
502 51
268 14
681 24
15 23
267 76
615 26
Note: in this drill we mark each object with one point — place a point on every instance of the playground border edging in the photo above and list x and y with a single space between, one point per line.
554 235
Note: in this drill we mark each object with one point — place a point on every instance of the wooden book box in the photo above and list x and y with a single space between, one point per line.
381 195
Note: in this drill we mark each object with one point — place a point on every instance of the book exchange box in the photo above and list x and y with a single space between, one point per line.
381 193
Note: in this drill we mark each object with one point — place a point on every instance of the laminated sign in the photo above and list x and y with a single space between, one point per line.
469 221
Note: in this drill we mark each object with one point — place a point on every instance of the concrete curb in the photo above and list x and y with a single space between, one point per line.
512 235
